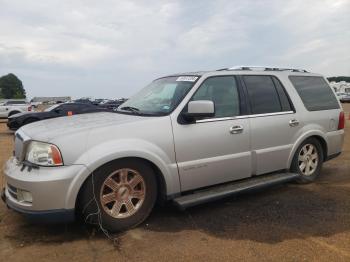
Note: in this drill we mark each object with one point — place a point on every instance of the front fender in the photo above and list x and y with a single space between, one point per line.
103 153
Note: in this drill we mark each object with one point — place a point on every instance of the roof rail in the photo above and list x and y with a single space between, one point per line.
265 68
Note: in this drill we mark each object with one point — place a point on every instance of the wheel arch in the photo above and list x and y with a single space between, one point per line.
161 181
317 135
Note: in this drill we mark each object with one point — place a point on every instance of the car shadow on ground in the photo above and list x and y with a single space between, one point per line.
269 217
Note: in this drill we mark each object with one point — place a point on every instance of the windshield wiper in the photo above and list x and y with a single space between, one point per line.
130 108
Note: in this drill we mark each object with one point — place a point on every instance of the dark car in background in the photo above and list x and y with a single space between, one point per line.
67 109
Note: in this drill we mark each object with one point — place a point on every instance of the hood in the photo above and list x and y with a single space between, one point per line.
47 130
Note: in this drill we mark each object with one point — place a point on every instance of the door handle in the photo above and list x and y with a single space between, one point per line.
236 129
293 122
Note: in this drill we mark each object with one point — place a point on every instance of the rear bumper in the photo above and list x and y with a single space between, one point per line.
13 125
335 141
44 216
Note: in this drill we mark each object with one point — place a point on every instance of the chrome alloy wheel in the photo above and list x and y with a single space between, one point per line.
122 193
308 159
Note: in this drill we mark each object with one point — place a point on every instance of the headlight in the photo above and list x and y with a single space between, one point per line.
43 154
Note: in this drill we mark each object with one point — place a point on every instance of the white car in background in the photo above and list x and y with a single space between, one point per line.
344 97
12 107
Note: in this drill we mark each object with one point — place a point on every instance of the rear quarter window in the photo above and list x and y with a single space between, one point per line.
314 92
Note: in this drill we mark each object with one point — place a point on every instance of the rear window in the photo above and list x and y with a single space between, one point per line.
314 92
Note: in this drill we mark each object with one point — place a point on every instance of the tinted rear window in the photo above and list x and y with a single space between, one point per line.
314 92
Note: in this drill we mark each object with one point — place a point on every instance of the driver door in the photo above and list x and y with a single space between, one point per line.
214 150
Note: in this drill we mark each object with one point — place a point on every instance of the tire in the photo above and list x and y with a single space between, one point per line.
314 153
94 210
29 120
13 113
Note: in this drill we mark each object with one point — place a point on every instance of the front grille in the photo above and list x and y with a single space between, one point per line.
12 191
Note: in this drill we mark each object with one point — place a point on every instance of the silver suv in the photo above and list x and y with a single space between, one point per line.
189 138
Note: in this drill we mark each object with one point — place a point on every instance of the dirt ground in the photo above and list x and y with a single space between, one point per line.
285 223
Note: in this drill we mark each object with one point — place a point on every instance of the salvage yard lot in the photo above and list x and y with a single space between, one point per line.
288 222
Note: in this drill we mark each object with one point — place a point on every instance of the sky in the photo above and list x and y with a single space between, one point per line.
113 48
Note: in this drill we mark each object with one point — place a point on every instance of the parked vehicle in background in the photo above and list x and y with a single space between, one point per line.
16 121
83 101
35 104
112 104
345 98
97 102
189 138
339 95
12 107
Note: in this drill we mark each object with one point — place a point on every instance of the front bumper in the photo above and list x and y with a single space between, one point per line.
52 190
48 216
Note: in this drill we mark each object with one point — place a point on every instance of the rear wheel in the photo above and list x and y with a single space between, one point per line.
308 160
123 192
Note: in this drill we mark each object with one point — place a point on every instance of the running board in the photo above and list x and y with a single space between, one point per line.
222 191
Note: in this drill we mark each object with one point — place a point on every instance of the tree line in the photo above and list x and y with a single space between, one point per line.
339 79
11 87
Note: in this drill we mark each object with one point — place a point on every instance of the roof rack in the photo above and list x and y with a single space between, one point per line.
265 68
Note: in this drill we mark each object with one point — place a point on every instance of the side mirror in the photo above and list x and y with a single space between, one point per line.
199 109
57 111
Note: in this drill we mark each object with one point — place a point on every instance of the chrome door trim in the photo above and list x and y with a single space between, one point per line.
243 117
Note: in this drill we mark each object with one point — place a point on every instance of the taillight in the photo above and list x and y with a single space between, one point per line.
341 123
29 108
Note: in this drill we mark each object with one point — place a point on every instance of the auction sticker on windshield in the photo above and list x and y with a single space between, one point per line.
187 78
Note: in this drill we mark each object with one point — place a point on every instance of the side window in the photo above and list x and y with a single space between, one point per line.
67 107
285 104
314 92
15 103
223 91
262 94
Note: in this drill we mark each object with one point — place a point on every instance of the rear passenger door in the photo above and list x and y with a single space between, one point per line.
273 120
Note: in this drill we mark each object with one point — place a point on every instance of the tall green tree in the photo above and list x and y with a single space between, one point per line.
11 87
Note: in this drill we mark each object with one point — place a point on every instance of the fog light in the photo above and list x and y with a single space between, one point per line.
24 196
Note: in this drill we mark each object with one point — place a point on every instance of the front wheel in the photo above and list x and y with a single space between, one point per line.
308 160
119 195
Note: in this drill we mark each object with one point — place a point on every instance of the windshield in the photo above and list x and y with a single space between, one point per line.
51 108
161 96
